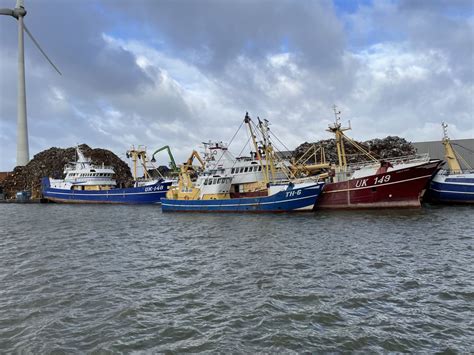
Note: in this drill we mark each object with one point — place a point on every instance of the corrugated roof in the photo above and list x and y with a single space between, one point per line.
464 147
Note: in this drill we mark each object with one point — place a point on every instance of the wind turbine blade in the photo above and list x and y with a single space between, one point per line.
20 3
41 50
7 12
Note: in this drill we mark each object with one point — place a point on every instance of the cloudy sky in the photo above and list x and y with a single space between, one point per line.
180 72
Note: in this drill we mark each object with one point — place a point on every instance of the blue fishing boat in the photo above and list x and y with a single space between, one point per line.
453 185
220 187
281 198
85 182
454 188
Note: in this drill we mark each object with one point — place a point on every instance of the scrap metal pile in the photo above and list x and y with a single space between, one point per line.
389 147
51 163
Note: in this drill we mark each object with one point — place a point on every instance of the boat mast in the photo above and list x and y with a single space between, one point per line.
267 146
449 152
338 130
136 155
248 121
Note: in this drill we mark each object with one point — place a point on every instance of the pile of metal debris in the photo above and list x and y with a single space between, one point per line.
51 163
389 147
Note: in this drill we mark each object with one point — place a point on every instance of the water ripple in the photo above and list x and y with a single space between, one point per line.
113 279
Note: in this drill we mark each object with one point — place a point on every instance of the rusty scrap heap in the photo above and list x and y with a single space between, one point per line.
51 163
389 147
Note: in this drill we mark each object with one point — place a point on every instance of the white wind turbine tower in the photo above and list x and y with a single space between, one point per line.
22 151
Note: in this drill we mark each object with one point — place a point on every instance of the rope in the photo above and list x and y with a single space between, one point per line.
240 154
235 134
231 140
459 145
462 160
360 148
284 146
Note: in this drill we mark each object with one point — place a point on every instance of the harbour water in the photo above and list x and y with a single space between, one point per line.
119 278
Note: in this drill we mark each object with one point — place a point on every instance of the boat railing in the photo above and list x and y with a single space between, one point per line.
74 166
458 172
415 158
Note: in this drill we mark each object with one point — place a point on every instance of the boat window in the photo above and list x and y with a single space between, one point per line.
232 170
206 181
260 168
246 169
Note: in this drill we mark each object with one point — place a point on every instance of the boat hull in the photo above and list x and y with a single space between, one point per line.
289 200
134 195
452 188
393 189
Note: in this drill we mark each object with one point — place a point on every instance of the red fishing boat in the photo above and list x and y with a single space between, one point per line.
397 182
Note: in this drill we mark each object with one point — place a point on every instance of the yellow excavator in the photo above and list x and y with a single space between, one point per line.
185 189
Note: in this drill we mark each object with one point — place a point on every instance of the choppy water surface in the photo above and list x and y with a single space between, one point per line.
119 279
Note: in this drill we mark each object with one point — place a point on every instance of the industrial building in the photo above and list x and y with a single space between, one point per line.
464 147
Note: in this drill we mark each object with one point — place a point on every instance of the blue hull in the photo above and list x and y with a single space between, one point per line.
454 192
292 199
133 195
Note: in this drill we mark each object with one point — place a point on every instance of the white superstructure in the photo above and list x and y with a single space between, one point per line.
220 161
83 175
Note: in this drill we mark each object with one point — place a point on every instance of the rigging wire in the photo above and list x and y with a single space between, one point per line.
245 146
235 134
459 145
231 140
284 146
283 168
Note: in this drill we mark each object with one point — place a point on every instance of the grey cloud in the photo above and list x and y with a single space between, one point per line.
71 33
230 43
223 30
